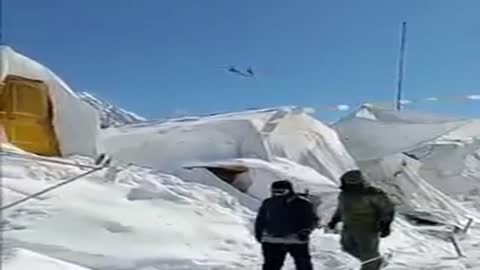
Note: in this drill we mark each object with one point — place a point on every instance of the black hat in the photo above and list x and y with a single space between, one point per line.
282 185
352 177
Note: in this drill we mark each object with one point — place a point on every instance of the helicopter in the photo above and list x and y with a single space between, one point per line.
248 73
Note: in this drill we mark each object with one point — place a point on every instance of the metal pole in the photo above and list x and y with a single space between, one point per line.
1 22
456 246
469 223
401 67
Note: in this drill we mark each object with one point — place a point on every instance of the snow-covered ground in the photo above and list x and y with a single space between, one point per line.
149 220
142 220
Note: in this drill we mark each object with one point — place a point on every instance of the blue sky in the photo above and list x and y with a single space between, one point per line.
159 57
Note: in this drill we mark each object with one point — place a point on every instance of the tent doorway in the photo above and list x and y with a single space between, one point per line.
26 114
237 176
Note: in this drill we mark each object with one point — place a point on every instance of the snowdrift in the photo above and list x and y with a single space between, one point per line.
25 259
144 220
75 122
150 220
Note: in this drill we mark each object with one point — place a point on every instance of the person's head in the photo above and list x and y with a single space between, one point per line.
281 188
352 181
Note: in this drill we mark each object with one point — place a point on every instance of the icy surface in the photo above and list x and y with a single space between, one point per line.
75 122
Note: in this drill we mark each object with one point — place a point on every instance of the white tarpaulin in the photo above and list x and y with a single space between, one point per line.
369 139
261 174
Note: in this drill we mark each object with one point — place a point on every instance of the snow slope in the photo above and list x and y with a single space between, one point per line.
25 259
149 220
142 220
75 122
110 115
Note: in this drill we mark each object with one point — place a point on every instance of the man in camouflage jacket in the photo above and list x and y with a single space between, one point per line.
366 213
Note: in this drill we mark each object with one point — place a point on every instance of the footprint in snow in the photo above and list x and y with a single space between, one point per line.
231 242
115 227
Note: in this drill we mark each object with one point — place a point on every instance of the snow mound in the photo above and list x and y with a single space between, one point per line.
75 122
25 259
142 220
110 115
146 220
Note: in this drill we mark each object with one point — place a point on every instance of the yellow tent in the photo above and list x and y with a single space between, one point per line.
26 115
39 113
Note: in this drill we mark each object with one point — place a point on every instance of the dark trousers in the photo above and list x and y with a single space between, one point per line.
274 256
364 246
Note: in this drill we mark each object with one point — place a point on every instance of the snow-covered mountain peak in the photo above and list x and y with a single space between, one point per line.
110 114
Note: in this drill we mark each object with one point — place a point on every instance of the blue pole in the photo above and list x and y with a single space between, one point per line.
401 67
1 22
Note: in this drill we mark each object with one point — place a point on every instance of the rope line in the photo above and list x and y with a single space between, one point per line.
34 195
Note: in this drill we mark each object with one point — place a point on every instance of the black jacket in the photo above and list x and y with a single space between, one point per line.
285 215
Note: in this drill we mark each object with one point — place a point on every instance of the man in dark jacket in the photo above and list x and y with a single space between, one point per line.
366 213
283 225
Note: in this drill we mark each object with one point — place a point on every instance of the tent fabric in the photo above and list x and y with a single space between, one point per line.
393 116
76 123
261 174
399 176
283 132
369 139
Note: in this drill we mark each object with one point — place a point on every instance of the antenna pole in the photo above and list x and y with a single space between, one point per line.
1 22
401 67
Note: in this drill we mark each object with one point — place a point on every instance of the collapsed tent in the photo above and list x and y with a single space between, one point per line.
255 176
244 152
369 137
40 113
262 134
415 197
240 150
446 147
386 146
